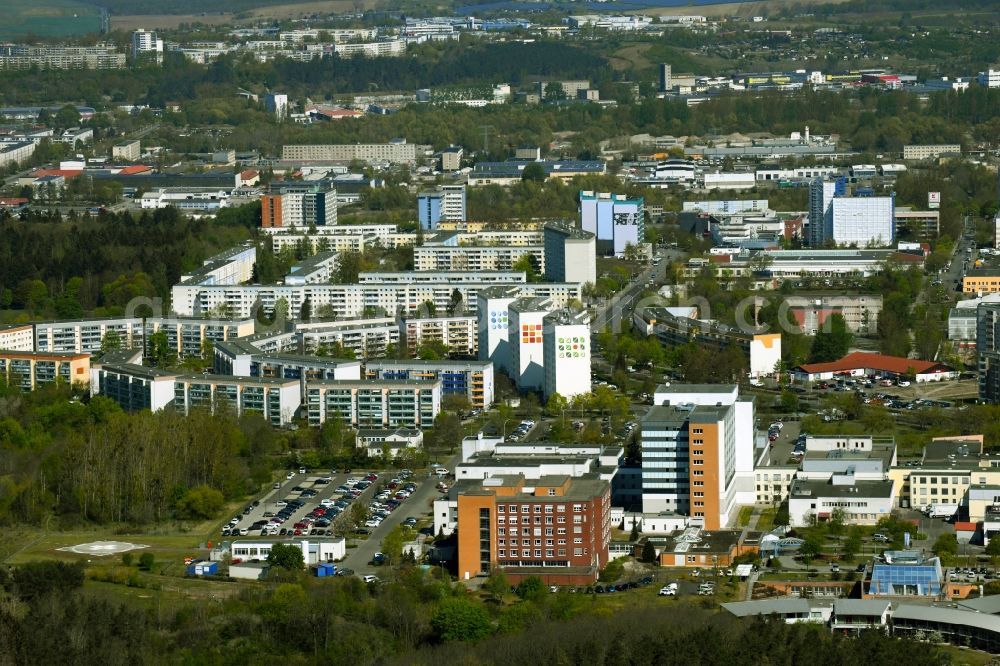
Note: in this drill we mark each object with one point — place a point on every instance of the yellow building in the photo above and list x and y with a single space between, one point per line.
981 282
30 370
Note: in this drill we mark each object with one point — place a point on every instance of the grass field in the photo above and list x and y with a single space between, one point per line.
48 18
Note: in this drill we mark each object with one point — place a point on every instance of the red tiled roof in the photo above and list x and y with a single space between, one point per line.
864 360
134 169
12 201
249 173
966 527
65 173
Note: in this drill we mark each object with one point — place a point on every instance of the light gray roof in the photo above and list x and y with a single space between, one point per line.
947 616
768 607
989 605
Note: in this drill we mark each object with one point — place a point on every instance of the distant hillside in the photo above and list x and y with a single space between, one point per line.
48 18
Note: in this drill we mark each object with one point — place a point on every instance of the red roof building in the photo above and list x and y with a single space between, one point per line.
858 364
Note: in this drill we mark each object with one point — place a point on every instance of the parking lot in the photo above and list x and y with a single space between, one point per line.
317 504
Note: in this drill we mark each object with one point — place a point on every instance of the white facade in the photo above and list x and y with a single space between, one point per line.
492 314
392 47
314 551
990 78
730 181
146 41
863 221
570 255
615 220
277 104
765 354
526 335
566 349
17 337
863 502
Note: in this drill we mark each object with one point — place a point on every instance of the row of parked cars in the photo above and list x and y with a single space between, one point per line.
774 430
398 490
521 430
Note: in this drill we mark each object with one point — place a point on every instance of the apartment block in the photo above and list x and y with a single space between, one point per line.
17 337
555 527
186 336
458 333
527 342
811 313
988 351
472 379
615 220
447 202
317 269
930 151
16 152
396 151
374 404
492 319
242 359
299 206
570 254
147 44
566 353
134 387
277 400
364 338
126 151
29 370
440 257
697 453
99 56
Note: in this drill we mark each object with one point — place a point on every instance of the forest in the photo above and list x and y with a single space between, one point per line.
49 615
66 267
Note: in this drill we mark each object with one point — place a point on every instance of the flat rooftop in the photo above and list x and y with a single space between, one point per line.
802 488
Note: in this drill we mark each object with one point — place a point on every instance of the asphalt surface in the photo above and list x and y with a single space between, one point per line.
611 312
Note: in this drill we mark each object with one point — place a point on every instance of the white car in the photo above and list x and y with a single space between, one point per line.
326 502
668 591
903 383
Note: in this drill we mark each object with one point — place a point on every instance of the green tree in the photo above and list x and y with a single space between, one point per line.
945 545
612 571
649 552
993 548
556 405
832 341
111 342
531 589
286 556
497 585
146 561
533 173
789 402
458 619
200 502
393 542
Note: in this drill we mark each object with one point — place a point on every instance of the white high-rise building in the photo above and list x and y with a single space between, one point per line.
990 78
863 221
566 347
277 103
447 203
570 254
526 324
492 313
146 42
614 219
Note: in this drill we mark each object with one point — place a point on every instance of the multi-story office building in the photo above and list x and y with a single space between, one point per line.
411 403
811 313
615 220
147 44
458 333
821 194
473 379
186 336
566 353
451 158
199 199
863 221
930 151
492 315
17 337
99 56
277 400
697 453
396 151
447 202
666 80
570 254
555 527
990 78
527 342
29 370
299 206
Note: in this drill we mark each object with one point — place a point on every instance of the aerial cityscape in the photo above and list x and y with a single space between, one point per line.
401 333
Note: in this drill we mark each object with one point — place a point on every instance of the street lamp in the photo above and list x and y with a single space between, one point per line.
504 428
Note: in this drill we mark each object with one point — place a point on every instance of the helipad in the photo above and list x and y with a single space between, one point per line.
103 548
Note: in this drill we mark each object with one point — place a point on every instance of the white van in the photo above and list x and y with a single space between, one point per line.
441 471
369 578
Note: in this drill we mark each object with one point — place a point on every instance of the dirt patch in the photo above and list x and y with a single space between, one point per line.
631 57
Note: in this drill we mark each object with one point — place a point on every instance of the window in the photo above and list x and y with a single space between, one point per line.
548 520
525 508
548 509
538 508
502 552
501 520
577 539
538 542
501 531
562 542
578 551
513 542
549 542
577 507
699 504
561 530
500 508
549 553
562 551
538 552
560 508
525 553
552 492
697 431
548 531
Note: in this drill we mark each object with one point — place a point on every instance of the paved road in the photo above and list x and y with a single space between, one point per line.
610 313
418 505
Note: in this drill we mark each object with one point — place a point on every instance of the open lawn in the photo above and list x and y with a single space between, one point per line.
48 18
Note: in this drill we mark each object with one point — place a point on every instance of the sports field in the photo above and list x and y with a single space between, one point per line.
48 18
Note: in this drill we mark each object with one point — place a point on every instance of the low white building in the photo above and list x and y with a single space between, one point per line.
390 442
314 551
862 502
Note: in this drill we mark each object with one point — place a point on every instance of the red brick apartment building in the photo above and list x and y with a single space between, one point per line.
554 527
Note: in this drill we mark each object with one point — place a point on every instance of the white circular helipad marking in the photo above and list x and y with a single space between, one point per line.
103 548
